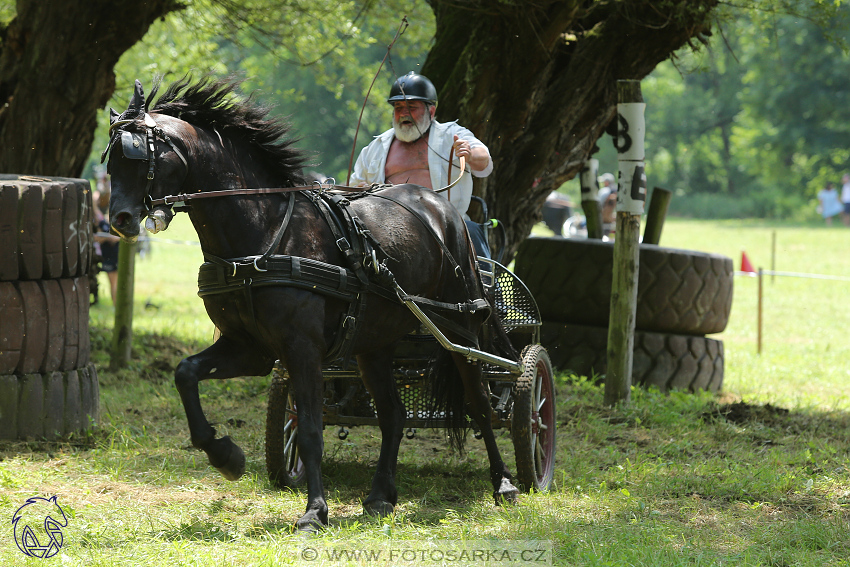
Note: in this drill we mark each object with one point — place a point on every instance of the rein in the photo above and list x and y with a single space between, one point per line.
183 197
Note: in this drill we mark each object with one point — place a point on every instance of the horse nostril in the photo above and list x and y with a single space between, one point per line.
122 220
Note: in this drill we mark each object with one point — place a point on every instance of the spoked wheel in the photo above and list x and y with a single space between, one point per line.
283 460
533 423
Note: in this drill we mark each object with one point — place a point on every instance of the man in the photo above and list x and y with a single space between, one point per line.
417 148
608 202
845 198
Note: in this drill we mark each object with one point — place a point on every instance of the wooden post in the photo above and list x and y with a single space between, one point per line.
758 329
658 203
122 333
631 196
589 179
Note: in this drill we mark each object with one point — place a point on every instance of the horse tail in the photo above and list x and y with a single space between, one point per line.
447 399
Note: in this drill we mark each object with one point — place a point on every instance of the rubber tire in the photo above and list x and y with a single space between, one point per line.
663 360
679 291
44 325
535 383
45 227
284 466
49 405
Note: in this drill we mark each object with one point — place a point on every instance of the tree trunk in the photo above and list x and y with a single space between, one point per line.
56 61
537 83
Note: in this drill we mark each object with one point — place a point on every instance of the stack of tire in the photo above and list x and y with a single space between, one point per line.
48 386
682 297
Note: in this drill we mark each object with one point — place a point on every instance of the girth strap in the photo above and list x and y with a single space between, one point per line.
436 236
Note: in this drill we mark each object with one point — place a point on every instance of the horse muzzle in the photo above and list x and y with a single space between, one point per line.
124 224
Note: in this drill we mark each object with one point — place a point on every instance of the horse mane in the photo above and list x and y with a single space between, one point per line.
216 103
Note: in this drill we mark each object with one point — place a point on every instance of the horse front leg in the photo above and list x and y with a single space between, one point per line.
478 406
376 370
224 359
304 364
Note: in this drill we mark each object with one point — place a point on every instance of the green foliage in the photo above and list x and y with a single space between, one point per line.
762 117
313 60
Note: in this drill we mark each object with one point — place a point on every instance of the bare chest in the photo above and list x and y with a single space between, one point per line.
408 162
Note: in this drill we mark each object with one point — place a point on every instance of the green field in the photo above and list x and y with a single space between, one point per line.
757 475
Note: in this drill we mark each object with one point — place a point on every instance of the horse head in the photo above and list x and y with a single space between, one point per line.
148 165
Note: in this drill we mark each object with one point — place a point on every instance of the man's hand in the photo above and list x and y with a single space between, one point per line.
477 158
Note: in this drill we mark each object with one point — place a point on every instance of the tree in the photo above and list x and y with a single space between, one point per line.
536 80
56 72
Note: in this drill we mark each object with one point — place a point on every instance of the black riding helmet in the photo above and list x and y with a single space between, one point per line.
413 87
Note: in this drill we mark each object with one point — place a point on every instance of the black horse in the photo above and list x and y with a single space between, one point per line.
199 137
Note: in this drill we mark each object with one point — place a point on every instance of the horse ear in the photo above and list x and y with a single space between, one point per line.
137 104
113 116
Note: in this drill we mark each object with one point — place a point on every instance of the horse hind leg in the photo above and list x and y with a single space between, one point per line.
376 371
224 359
478 407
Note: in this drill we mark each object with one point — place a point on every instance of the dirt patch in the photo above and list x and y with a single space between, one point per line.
742 412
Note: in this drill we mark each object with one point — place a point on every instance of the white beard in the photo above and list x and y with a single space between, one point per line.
410 132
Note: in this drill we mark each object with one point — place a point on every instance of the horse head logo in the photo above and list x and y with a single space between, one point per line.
39 512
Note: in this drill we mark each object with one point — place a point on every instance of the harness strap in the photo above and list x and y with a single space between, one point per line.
352 251
452 327
447 254
468 307
279 236
182 197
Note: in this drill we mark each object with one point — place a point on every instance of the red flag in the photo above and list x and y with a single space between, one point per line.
746 266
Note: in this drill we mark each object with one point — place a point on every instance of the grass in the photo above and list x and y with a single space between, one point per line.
757 475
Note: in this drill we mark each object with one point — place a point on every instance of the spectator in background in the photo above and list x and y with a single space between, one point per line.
106 242
608 202
845 198
830 204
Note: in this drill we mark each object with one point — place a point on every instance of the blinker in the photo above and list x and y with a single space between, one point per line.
134 145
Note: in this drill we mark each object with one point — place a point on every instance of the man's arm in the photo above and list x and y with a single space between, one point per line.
476 153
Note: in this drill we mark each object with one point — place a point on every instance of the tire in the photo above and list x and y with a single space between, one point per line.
283 462
44 325
48 387
679 291
45 227
666 361
49 405
533 422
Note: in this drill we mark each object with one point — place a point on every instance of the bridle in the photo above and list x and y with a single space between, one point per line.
141 147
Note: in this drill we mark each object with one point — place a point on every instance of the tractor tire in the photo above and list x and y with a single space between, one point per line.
49 405
679 291
48 386
45 227
44 325
666 361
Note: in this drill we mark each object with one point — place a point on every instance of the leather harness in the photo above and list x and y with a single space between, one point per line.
362 276
352 283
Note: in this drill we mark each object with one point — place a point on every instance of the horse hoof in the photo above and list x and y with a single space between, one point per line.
378 508
507 493
310 523
234 468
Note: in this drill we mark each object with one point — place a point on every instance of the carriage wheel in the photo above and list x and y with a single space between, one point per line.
533 423
283 460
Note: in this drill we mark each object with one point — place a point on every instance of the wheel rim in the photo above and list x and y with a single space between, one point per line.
291 455
543 424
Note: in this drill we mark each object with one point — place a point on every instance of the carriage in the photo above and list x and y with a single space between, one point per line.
522 395
313 276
